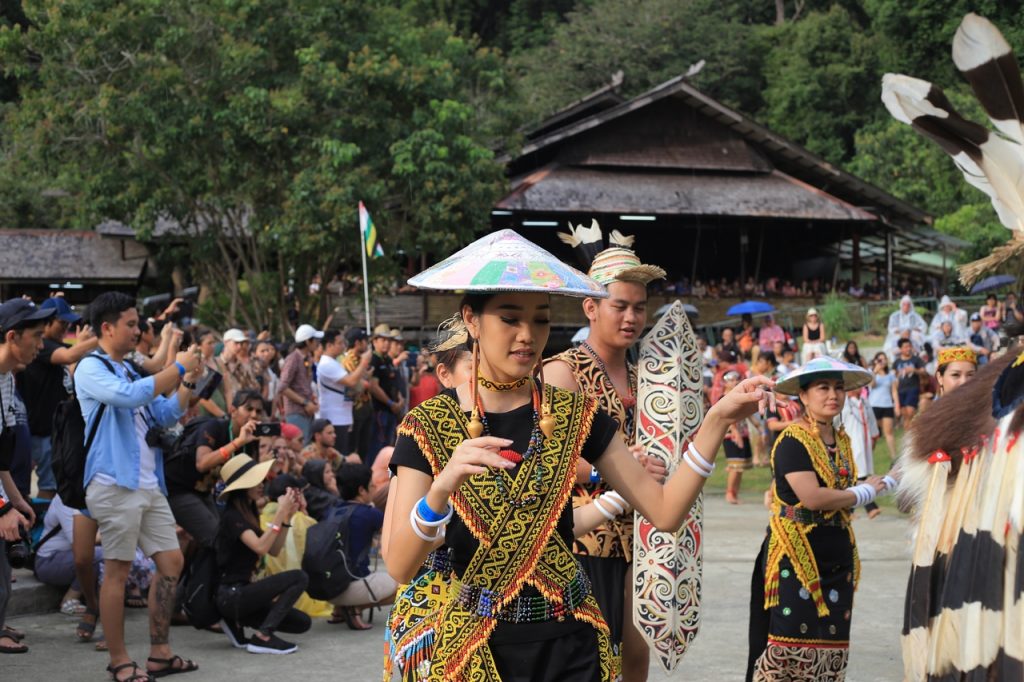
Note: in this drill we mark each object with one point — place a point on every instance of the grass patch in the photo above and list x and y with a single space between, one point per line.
757 480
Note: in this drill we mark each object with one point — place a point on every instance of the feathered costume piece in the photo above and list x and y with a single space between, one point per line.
992 162
617 263
964 610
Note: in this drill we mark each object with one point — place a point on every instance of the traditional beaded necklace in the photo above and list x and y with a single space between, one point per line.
628 400
502 385
536 438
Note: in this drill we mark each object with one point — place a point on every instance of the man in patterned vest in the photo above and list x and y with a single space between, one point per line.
599 367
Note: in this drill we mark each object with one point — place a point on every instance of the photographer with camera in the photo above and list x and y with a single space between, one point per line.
124 478
268 604
21 339
194 467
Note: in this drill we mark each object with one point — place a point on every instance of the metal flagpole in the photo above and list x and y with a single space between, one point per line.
366 278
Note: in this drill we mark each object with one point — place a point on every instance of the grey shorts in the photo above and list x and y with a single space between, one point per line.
373 589
131 518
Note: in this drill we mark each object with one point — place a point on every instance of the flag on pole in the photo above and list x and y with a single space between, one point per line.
369 232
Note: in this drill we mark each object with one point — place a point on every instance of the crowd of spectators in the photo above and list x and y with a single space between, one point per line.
204 443
777 287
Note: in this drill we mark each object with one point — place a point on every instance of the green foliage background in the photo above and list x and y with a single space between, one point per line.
279 115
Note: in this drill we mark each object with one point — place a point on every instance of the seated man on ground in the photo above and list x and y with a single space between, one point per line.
322 445
372 588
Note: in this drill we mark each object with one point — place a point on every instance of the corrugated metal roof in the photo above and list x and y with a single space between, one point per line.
761 195
54 255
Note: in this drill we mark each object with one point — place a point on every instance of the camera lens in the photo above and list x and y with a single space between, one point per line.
17 554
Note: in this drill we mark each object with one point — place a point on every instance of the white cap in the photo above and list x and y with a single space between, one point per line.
306 332
235 335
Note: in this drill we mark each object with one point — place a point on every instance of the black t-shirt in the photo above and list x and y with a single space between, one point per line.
386 374
790 457
180 470
516 425
42 386
911 381
236 561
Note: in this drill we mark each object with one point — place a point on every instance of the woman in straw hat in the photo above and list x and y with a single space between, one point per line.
487 469
266 605
806 573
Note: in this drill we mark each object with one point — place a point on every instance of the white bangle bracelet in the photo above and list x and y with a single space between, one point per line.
414 521
698 459
890 483
703 473
604 512
613 498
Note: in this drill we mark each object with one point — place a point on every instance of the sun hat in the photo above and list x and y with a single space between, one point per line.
306 332
396 335
853 376
242 472
957 354
235 335
382 331
812 311
504 261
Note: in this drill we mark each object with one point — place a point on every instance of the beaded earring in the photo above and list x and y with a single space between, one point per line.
476 426
547 422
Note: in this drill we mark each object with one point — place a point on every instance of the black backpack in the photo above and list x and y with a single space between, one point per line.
180 460
326 560
70 447
198 590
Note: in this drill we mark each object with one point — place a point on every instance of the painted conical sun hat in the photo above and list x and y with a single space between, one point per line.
853 376
504 261
617 264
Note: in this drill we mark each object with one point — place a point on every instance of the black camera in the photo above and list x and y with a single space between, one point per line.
268 429
19 553
159 437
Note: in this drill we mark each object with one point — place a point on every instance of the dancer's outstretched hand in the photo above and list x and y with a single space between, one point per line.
749 396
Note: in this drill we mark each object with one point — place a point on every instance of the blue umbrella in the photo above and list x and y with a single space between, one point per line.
993 282
751 307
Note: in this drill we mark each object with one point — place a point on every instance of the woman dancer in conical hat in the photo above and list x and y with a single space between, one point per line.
487 469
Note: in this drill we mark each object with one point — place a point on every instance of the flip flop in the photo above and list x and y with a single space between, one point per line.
85 630
170 667
17 648
16 635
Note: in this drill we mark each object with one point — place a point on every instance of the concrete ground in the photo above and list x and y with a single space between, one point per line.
331 652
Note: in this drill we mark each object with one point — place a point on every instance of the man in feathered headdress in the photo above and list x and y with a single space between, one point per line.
599 367
963 460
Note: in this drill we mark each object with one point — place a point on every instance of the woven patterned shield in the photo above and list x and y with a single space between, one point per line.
667 566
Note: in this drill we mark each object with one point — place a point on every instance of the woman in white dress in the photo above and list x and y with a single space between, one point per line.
859 422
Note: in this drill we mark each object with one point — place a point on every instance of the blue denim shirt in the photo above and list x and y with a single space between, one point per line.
115 451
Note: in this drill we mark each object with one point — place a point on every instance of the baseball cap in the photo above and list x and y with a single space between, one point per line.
306 332
975 317
355 334
64 311
235 335
18 310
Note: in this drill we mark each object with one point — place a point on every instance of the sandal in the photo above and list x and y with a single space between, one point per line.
135 601
355 621
16 635
337 616
136 676
16 648
85 629
172 666
72 607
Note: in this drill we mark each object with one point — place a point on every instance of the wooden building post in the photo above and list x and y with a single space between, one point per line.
856 257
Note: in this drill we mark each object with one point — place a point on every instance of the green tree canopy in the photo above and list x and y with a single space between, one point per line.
257 125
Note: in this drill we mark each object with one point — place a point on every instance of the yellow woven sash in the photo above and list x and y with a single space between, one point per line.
789 538
518 544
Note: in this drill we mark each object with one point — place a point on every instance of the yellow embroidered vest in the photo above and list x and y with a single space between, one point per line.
519 544
788 537
615 538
